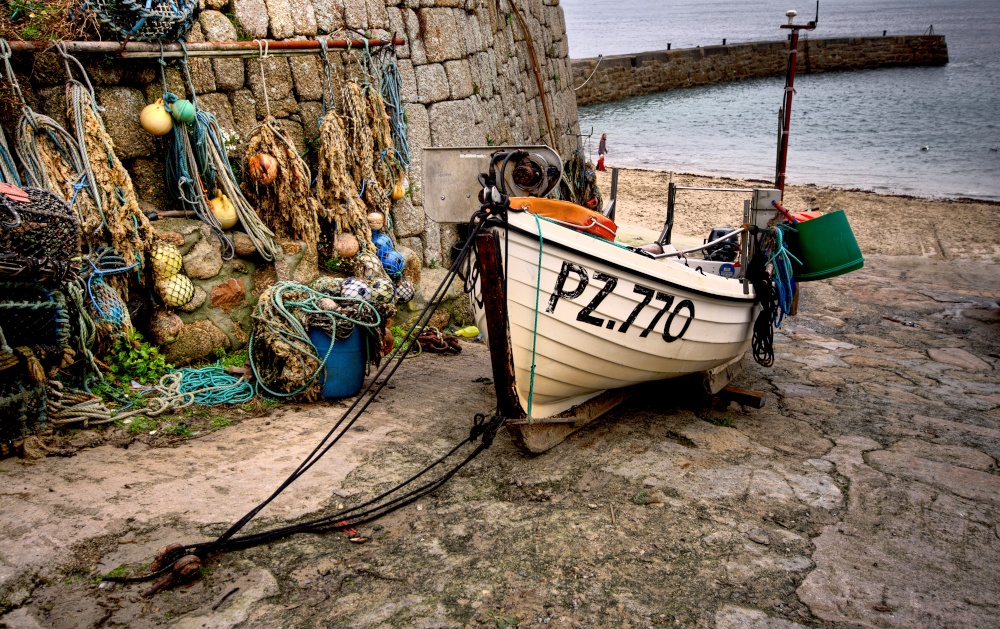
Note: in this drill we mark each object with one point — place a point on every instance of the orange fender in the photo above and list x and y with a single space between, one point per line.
569 214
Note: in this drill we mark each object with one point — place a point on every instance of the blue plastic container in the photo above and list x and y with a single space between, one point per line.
345 367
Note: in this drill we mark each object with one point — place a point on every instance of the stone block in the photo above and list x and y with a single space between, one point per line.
407 81
356 14
197 341
329 15
307 73
452 124
148 181
252 14
280 85
432 243
279 13
418 53
407 219
219 105
304 18
202 74
244 108
122 106
204 260
378 16
418 132
432 83
175 85
229 73
441 35
459 78
216 5
311 114
398 26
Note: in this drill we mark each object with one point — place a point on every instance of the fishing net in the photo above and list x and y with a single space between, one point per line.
33 316
579 183
22 397
286 205
284 360
148 20
39 235
110 312
404 291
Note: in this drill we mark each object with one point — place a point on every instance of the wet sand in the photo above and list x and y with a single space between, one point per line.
883 224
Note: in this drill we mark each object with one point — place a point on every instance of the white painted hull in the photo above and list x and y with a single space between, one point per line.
581 354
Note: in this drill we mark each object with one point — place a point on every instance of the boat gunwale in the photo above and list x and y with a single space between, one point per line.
638 273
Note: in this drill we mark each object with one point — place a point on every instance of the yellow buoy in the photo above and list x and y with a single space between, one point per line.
399 190
155 119
223 209
175 290
166 260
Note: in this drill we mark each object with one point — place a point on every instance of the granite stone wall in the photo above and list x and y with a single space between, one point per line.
467 79
622 76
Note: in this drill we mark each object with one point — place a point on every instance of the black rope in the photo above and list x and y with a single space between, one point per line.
762 342
483 430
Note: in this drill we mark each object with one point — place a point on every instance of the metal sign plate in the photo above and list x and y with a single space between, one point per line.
451 178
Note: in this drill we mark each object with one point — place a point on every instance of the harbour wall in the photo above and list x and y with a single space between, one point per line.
622 76
467 78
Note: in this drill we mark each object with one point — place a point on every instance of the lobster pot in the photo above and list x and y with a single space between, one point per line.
39 235
148 20
32 316
22 400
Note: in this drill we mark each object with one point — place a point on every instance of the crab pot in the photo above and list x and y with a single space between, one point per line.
825 246
345 366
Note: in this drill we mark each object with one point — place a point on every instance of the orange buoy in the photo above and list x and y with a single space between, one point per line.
569 214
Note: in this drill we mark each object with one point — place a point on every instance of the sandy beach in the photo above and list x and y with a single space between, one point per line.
883 224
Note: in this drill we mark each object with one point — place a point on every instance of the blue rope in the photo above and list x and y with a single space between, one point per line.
225 388
392 95
534 331
781 260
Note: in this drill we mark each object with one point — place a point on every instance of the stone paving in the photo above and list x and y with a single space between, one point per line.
864 494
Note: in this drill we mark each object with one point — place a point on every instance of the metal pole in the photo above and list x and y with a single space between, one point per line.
786 110
142 50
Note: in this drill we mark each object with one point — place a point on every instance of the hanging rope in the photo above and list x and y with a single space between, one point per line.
49 154
187 177
8 170
131 235
392 95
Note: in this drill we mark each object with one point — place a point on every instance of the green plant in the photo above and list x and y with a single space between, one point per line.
241 32
236 359
555 77
332 264
725 421
220 422
475 88
433 264
140 423
641 498
503 622
489 141
510 18
131 358
179 429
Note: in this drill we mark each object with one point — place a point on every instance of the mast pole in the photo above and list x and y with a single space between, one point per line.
785 115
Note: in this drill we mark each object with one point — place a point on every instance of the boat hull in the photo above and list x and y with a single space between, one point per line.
606 317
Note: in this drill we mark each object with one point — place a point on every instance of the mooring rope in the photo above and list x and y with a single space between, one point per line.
483 430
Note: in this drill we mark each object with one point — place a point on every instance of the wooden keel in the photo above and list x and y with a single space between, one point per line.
538 435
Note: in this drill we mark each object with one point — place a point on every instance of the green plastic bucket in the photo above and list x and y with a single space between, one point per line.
825 246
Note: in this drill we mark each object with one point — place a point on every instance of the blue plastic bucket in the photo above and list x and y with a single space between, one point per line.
345 367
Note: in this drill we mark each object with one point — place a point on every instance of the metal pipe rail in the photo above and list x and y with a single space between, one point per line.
144 50
714 189
671 254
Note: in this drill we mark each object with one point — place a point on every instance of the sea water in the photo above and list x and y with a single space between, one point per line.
923 131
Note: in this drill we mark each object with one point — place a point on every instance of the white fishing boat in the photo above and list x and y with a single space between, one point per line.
573 318
590 315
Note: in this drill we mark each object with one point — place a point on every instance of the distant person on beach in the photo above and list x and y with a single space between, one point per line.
601 150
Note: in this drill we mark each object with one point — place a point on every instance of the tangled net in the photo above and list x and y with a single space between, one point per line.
145 20
39 235
283 359
286 205
579 183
